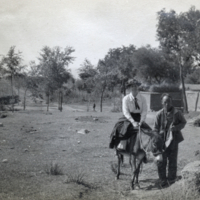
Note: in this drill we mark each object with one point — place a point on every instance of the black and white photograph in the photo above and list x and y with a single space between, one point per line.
99 100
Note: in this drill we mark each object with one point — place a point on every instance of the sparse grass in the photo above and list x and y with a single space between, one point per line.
181 193
79 177
54 169
114 168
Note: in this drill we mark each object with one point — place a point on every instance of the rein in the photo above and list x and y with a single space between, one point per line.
145 150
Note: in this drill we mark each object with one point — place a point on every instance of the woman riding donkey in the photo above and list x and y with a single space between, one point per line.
134 108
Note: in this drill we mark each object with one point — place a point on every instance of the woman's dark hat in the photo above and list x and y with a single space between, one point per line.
132 82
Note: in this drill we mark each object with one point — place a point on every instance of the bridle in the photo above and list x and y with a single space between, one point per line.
149 142
141 145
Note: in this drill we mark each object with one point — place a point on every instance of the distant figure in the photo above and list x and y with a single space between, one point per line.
94 106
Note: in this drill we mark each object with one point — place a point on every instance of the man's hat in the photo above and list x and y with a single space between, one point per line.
132 82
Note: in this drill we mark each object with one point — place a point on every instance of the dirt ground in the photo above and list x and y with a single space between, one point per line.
33 141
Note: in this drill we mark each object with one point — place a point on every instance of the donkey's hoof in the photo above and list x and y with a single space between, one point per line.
132 187
137 186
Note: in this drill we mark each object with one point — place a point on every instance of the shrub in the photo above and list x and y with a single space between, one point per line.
54 169
164 88
79 177
197 122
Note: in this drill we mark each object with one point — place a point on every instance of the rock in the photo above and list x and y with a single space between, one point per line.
25 150
83 131
1 125
196 153
3 116
48 113
4 160
191 175
77 118
95 119
78 142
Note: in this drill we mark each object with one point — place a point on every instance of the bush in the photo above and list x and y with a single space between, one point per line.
164 88
197 122
54 169
116 109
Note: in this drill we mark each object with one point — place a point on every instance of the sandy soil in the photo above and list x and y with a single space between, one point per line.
32 141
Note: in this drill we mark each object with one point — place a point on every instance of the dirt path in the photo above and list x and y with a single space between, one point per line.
30 141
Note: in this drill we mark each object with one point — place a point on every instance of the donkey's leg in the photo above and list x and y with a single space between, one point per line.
137 185
133 169
122 160
118 166
140 157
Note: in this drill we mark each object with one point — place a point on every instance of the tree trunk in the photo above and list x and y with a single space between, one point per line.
123 88
12 103
88 102
48 96
196 101
25 100
18 95
60 100
101 100
185 106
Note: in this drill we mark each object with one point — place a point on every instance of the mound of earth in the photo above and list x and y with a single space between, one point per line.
92 119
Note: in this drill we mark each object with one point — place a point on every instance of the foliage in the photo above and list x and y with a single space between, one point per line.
164 88
11 66
120 61
11 63
174 32
153 67
53 66
87 72
194 77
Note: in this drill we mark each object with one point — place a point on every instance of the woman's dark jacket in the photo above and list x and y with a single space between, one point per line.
124 129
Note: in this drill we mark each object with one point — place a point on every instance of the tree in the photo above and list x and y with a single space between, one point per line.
87 73
11 66
53 63
174 33
103 78
121 62
153 67
31 81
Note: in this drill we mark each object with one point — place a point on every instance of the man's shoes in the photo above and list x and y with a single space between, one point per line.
171 181
164 183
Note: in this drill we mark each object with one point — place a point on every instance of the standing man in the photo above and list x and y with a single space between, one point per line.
134 108
94 106
168 124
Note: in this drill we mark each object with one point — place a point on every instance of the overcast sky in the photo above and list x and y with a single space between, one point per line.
91 27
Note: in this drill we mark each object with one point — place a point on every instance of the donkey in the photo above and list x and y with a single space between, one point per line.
137 147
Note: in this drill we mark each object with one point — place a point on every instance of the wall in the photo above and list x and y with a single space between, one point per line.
154 100
193 100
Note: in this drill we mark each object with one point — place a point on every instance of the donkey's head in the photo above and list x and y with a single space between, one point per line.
157 144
